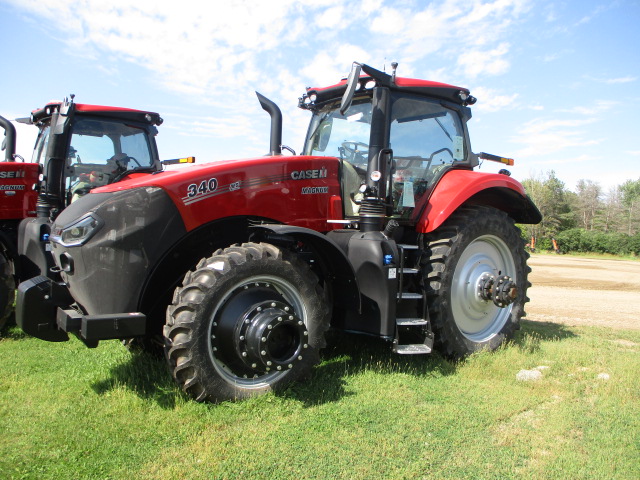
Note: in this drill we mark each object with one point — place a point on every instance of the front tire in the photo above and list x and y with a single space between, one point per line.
474 244
250 319
7 289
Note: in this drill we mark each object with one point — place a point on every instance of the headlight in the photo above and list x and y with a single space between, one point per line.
77 233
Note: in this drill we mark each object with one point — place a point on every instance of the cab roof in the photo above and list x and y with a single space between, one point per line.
373 77
99 111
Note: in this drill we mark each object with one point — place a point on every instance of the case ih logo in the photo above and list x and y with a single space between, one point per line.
12 174
306 174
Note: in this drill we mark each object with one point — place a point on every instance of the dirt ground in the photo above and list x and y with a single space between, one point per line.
583 291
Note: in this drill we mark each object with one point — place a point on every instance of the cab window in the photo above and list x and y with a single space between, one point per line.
426 139
102 150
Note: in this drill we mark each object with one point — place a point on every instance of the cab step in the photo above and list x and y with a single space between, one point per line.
414 349
409 296
411 322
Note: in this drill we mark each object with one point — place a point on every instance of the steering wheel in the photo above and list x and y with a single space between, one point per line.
440 151
351 147
122 159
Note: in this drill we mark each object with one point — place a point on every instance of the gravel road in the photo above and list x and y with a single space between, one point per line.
584 291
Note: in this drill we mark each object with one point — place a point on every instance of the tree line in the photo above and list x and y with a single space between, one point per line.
587 220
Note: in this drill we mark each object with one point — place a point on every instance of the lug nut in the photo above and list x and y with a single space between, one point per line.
300 322
279 367
286 309
273 304
290 366
300 357
253 365
244 354
269 362
263 352
264 339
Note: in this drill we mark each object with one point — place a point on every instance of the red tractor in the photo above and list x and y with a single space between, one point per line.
240 267
79 147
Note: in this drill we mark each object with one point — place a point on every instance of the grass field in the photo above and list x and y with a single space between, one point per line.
67 412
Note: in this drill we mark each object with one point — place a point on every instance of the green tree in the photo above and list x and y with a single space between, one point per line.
553 200
612 211
588 203
630 197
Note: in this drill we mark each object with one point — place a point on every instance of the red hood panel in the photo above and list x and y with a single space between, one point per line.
295 190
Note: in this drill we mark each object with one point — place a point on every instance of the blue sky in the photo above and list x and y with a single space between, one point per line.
557 82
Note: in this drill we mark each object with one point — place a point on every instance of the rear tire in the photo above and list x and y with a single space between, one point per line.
473 242
250 319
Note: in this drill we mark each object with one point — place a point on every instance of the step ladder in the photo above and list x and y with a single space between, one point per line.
413 333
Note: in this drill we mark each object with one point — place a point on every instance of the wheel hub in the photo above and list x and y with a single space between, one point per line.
258 332
502 290
271 337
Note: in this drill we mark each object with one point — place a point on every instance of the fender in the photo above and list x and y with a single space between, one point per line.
458 187
334 261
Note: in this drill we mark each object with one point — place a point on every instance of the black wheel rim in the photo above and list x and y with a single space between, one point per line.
258 331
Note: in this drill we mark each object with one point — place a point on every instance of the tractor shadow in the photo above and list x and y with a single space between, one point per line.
345 356
348 355
533 333
145 374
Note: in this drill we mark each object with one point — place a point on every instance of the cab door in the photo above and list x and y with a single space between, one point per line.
427 138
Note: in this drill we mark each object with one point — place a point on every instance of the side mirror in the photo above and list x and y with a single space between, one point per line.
324 134
352 83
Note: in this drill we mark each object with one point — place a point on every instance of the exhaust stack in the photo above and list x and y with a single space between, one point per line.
10 139
275 144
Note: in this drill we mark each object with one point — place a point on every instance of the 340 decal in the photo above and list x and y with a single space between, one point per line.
205 186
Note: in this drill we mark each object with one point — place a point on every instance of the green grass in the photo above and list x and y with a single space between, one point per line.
70 412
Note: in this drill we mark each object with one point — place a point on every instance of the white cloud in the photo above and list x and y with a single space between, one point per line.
627 79
594 108
540 137
613 80
214 52
330 17
489 62
489 100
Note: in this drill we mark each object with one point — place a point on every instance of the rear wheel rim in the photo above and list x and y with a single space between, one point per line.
478 319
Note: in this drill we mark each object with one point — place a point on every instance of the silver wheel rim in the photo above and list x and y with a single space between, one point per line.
291 295
477 319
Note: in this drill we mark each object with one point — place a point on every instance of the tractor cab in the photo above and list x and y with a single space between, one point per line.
81 147
395 137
